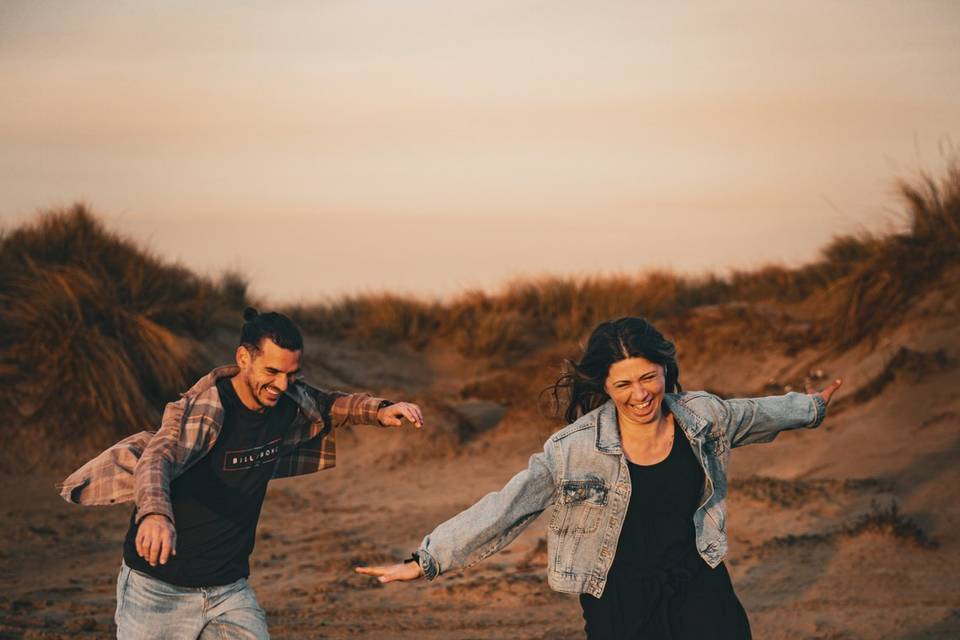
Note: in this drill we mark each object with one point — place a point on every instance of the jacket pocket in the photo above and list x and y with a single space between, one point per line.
579 506
714 445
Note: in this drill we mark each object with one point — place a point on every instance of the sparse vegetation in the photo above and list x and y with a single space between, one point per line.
859 285
889 521
375 320
794 493
883 520
96 330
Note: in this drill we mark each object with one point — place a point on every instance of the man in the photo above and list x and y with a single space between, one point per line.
199 482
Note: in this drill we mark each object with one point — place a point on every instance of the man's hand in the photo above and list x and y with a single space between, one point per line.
404 571
156 539
394 415
828 392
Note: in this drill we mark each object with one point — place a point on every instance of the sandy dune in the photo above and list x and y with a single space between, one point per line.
845 532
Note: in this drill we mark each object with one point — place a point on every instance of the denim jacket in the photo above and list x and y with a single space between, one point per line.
582 473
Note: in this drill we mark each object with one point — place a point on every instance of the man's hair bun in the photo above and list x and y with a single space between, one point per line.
280 329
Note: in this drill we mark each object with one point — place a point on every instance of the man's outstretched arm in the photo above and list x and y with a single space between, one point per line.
362 408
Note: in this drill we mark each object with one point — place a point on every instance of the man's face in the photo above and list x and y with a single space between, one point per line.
268 372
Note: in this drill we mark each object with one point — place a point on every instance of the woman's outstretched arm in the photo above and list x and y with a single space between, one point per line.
484 528
753 420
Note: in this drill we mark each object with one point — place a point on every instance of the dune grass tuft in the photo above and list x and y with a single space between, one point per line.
886 521
889 521
95 331
794 493
879 289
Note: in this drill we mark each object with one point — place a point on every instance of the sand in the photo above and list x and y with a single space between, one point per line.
848 531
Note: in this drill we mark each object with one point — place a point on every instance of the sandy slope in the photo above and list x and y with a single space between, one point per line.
805 562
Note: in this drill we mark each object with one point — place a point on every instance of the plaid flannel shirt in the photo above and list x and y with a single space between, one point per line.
142 466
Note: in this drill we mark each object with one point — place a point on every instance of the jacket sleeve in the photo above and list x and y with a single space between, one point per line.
495 520
325 411
310 443
108 478
176 445
756 420
355 408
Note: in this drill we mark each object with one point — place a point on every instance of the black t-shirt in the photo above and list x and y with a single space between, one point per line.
658 586
658 526
216 502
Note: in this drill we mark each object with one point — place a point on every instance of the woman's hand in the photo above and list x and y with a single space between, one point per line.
404 571
828 392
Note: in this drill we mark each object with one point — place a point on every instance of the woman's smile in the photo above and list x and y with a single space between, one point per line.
636 386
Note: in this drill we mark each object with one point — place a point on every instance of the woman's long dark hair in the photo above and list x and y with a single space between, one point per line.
582 382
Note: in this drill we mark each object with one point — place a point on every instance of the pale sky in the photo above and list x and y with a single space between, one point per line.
332 147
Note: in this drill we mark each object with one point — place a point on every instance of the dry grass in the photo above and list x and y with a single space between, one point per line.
858 286
375 320
95 331
886 521
878 290
794 493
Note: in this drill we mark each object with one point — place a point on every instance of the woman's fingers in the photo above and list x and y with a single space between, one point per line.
372 571
828 392
388 573
383 574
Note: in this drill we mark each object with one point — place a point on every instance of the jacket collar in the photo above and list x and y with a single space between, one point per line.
298 392
209 380
608 430
692 423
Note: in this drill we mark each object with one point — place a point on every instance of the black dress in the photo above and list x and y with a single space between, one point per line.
659 587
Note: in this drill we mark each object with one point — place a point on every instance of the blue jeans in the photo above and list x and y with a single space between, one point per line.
148 608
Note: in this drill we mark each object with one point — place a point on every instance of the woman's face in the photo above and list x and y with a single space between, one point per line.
636 386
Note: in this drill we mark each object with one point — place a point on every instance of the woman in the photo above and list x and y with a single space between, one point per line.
638 526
